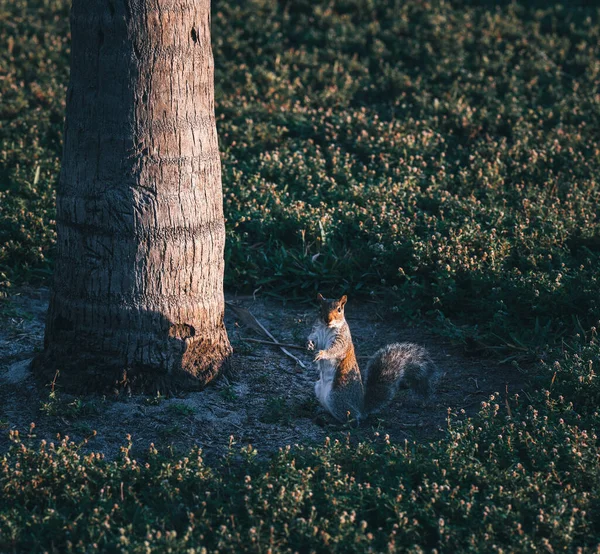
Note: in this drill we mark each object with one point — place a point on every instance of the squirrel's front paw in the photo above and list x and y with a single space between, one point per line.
320 355
310 345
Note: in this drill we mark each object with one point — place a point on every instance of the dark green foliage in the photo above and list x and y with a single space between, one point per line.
33 77
277 411
521 476
449 152
180 409
71 408
445 154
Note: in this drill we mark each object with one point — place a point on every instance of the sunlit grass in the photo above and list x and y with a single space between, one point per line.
441 157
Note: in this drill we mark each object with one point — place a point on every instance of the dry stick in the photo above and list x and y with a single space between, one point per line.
285 345
251 321
280 344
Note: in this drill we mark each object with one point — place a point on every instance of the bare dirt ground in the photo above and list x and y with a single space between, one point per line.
268 401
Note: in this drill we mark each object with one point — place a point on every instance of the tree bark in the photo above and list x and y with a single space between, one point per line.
138 286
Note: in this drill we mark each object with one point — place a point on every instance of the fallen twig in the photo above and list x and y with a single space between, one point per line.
280 344
251 321
287 345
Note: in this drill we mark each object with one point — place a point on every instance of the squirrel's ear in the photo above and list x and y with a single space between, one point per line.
320 297
343 300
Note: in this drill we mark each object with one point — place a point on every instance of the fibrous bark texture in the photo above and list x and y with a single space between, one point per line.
138 287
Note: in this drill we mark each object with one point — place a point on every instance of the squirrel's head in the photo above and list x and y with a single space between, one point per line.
332 311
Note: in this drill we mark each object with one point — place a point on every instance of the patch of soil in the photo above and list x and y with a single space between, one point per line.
268 401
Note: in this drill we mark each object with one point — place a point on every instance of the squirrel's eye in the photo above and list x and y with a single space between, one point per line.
340 310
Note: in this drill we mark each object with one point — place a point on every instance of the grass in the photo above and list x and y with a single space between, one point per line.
442 157
180 409
521 476
228 393
277 411
72 408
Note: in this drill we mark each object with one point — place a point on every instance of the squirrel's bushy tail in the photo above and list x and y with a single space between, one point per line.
398 365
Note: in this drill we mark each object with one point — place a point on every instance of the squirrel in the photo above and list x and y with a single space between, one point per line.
342 389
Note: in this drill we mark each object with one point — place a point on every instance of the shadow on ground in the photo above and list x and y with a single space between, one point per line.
268 401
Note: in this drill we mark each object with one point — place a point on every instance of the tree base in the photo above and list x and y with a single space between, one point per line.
81 373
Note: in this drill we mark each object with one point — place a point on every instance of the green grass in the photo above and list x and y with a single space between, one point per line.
277 411
180 409
441 156
72 408
444 158
522 476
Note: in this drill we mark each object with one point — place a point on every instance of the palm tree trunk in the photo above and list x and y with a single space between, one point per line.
138 289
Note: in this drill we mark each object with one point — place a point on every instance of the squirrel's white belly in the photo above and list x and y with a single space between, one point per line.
323 337
324 384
